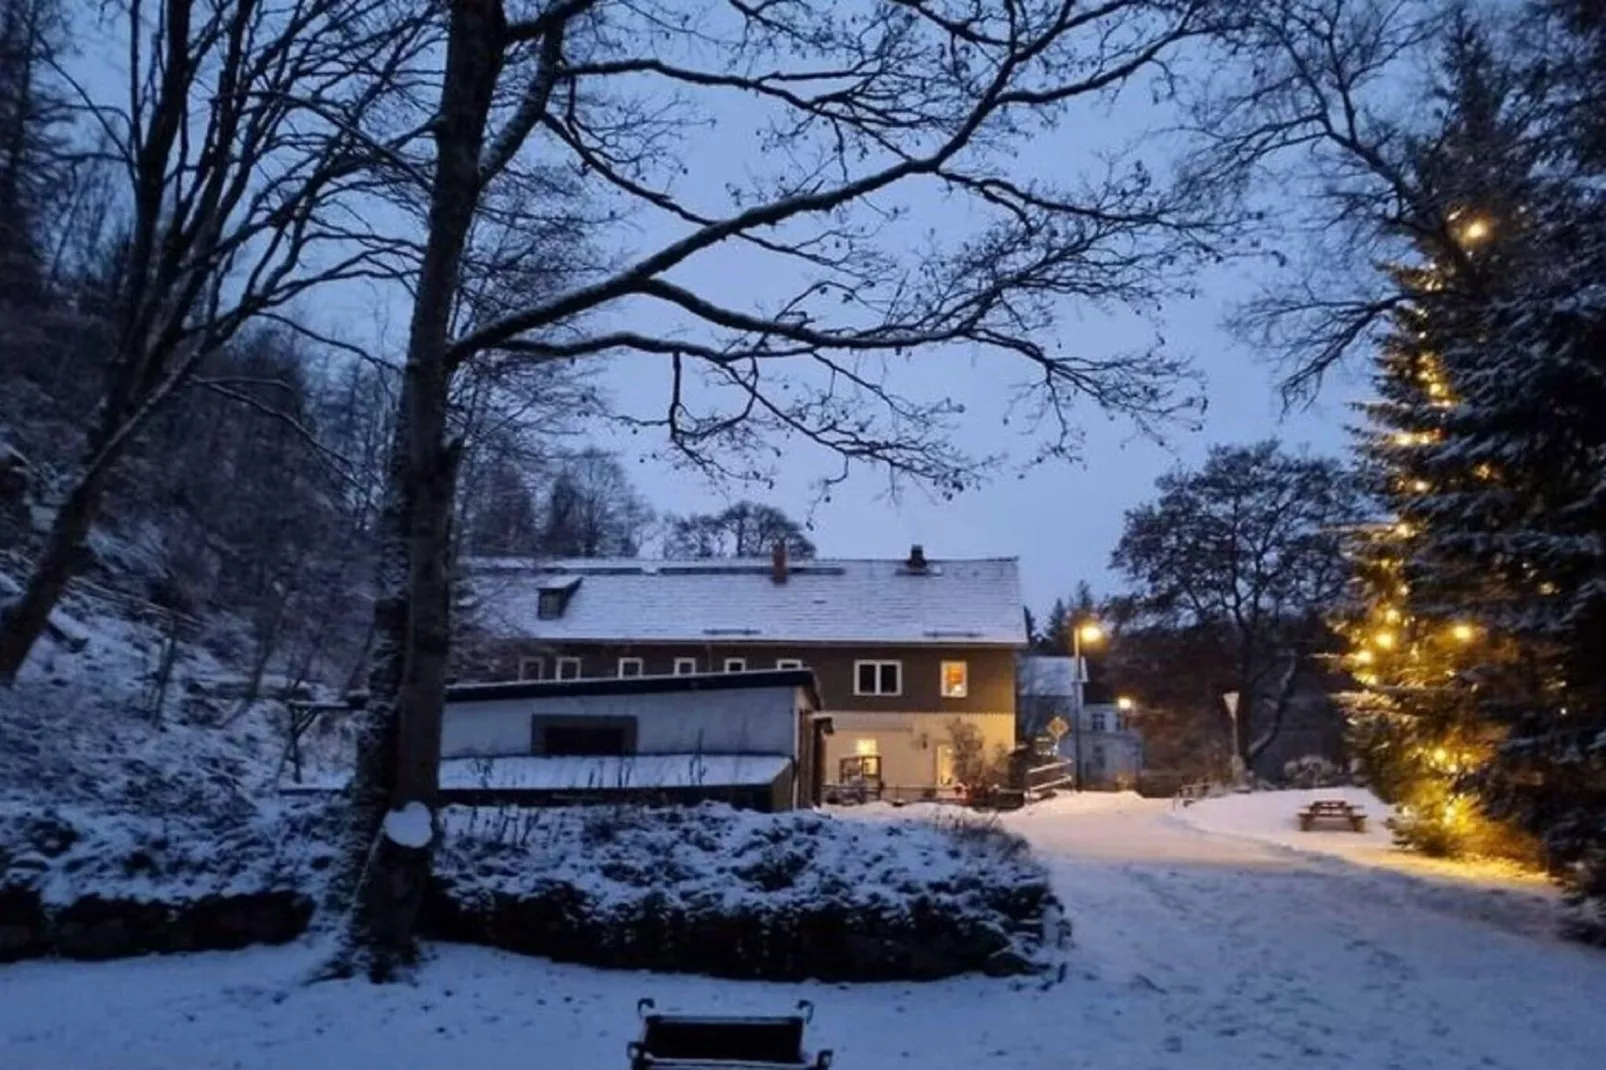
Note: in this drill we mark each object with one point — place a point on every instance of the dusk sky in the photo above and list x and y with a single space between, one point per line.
1061 519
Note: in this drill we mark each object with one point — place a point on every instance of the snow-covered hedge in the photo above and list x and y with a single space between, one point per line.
707 890
86 884
731 893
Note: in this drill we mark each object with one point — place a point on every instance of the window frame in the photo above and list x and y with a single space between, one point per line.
789 663
880 664
538 661
566 662
1098 721
548 605
680 667
964 678
639 665
740 663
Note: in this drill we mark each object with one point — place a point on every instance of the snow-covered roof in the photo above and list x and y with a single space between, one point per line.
525 772
951 602
1044 674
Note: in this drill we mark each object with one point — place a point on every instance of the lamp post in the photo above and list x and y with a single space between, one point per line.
1089 632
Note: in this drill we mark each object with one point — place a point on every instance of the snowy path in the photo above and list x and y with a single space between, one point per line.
1258 953
1195 951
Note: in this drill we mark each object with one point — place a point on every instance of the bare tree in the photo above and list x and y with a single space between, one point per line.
745 529
33 113
1247 549
851 108
241 143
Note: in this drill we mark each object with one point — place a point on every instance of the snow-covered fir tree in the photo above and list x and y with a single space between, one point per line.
1535 411
1423 645
1484 592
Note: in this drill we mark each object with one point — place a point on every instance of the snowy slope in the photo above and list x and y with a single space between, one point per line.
79 725
1195 950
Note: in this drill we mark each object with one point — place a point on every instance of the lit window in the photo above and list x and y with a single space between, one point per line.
788 663
955 679
864 748
685 666
1098 723
735 664
629 666
568 669
878 678
532 668
549 606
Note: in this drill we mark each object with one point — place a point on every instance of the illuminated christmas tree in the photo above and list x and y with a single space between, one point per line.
1427 639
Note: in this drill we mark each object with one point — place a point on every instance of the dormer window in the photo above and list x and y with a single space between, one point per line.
552 601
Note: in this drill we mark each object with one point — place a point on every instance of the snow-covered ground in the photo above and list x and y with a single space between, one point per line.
1195 949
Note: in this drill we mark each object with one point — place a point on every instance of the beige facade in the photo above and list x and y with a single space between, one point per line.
916 749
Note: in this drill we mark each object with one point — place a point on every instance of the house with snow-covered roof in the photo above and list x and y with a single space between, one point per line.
901 650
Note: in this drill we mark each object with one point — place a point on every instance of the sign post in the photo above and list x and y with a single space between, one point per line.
1230 699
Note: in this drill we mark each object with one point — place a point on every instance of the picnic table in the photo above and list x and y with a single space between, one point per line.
1335 811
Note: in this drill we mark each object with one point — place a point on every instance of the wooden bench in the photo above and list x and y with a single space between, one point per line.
1334 810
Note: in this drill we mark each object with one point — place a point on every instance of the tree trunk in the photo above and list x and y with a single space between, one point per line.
25 620
1255 746
399 743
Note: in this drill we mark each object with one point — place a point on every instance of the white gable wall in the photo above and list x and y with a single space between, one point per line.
722 721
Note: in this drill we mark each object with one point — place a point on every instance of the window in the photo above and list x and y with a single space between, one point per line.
735 664
878 678
685 666
549 605
788 663
532 668
1097 723
568 669
955 679
557 735
629 666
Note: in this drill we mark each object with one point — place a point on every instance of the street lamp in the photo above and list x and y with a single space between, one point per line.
1091 633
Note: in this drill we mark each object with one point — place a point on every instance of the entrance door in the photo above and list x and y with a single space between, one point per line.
945 765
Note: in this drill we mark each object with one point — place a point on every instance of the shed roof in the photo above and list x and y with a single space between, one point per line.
955 602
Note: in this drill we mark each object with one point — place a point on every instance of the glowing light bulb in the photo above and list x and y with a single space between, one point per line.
1476 230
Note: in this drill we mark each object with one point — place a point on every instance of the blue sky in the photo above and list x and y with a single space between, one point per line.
1060 519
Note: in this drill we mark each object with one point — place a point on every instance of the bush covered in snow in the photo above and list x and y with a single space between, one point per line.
86 884
709 890
719 891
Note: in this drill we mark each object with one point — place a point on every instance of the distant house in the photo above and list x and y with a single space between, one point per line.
1106 742
902 650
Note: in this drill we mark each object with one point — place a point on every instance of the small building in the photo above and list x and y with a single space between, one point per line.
751 739
915 657
1105 744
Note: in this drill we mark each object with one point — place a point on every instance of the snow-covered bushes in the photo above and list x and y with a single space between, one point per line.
719 891
708 890
90 885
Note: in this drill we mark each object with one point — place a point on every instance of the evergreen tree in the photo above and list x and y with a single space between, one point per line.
1536 411
1434 640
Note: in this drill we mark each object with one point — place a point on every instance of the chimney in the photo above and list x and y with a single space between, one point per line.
778 561
917 558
